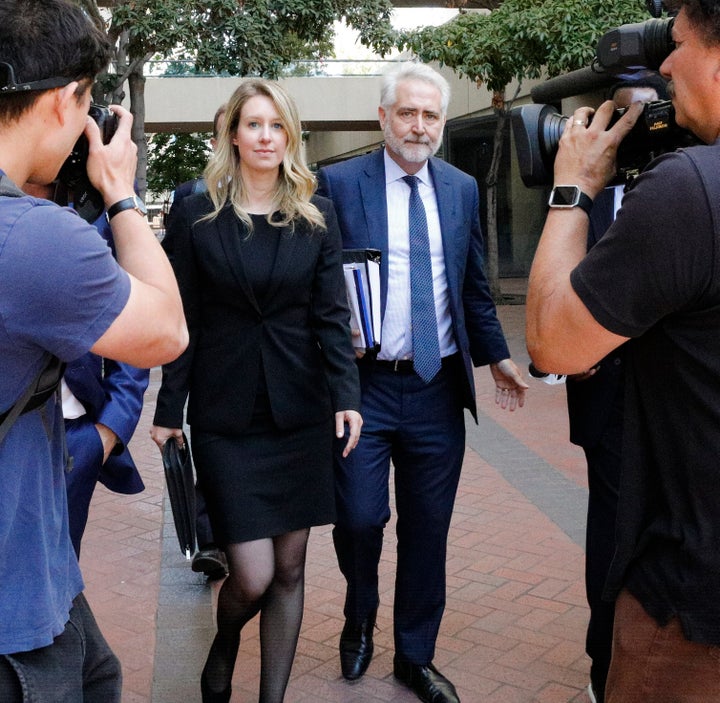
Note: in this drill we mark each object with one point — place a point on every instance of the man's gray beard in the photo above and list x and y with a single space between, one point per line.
412 152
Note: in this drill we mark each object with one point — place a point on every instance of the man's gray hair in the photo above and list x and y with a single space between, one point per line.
410 70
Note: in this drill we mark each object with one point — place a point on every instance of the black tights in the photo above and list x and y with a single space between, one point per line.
265 576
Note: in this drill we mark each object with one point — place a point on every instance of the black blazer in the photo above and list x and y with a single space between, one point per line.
596 402
300 331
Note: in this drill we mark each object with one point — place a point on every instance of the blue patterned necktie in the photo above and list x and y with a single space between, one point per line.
426 349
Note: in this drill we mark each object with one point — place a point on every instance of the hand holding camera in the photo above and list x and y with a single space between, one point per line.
100 170
587 149
111 163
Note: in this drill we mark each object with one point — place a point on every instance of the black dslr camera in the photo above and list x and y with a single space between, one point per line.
629 51
86 199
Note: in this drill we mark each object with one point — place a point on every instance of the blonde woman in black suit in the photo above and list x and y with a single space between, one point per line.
269 371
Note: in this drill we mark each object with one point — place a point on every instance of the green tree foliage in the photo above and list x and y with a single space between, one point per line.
266 35
174 159
521 39
237 37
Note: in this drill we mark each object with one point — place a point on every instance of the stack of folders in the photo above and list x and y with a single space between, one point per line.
362 283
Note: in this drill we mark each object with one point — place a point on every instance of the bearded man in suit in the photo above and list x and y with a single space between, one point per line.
438 320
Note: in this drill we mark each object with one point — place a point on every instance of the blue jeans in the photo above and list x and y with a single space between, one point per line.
78 667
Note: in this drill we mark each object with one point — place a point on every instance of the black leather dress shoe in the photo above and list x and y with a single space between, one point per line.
356 647
210 561
426 681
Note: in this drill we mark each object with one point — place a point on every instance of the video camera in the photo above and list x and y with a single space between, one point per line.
86 199
630 51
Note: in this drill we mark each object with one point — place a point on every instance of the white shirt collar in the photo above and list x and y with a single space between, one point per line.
393 172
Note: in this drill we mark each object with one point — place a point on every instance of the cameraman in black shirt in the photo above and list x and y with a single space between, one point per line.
652 279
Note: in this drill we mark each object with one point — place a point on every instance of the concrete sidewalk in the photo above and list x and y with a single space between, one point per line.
516 614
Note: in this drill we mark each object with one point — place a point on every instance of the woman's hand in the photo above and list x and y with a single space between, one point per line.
354 422
160 435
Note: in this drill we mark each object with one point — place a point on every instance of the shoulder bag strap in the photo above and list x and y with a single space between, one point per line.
50 362
11 415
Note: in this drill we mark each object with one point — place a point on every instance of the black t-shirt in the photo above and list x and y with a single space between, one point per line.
655 277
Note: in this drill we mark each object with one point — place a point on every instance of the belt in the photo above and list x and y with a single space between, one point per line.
405 366
395 365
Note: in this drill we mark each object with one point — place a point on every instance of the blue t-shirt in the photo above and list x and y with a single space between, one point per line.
60 289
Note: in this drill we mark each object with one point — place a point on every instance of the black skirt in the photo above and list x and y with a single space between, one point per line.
266 482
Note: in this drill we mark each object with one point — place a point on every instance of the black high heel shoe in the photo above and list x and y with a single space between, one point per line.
210 696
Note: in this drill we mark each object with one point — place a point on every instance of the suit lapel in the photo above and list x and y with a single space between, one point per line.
447 199
374 202
230 232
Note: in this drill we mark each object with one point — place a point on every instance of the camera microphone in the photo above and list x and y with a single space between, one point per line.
584 80
631 50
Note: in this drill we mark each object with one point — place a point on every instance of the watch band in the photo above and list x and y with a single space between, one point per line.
131 203
585 202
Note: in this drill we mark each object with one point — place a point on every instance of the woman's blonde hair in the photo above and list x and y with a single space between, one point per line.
296 183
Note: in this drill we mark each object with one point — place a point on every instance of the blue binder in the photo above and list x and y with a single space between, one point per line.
362 284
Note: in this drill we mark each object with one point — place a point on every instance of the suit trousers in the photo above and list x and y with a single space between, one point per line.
420 428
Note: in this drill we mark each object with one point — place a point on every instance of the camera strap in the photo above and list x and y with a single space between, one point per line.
47 380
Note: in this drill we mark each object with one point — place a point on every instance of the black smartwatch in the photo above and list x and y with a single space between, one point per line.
566 197
133 203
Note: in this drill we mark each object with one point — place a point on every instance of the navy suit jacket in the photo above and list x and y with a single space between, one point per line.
357 189
112 394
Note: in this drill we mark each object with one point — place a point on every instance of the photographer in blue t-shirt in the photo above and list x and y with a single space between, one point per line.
62 294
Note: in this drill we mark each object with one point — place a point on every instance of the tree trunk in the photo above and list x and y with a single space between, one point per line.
502 108
492 269
136 82
130 70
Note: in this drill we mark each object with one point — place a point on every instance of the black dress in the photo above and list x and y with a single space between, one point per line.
265 481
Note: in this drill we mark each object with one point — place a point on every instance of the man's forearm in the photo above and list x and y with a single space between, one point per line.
139 252
552 305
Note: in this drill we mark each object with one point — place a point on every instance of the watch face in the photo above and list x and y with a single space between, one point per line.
564 196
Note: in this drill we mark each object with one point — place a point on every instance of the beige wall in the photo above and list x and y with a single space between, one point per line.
178 100
331 105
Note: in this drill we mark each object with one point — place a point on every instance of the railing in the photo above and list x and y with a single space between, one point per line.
331 67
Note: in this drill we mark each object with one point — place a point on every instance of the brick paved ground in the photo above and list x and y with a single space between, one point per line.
516 613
